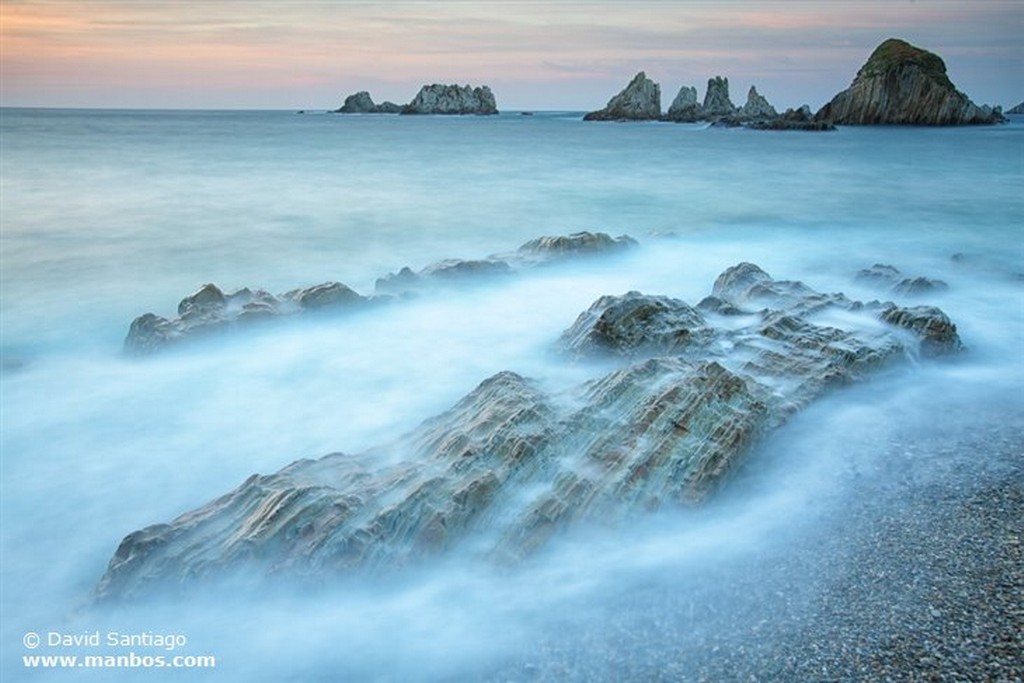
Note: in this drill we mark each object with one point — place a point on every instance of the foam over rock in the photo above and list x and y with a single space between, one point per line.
688 392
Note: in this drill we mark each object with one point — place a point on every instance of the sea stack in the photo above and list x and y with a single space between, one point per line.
639 101
904 85
716 99
685 108
757 107
452 99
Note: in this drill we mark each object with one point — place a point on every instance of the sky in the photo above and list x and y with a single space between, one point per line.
551 55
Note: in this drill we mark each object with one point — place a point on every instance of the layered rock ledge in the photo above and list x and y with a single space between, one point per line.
692 388
901 84
211 311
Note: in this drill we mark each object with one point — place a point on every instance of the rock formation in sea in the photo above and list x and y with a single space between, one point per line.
886 277
539 251
452 99
1019 109
210 310
685 108
362 103
903 84
756 107
690 390
792 119
716 99
638 101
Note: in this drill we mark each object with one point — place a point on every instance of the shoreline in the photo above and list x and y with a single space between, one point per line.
917 574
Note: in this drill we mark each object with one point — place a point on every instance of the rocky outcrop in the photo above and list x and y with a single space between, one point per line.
639 101
452 99
685 108
510 464
883 276
716 99
1019 109
904 85
536 252
362 103
793 119
209 310
756 107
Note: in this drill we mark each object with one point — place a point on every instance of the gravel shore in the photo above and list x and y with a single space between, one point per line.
916 574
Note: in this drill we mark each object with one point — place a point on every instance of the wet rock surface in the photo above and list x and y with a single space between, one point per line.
888 278
209 310
915 573
665 428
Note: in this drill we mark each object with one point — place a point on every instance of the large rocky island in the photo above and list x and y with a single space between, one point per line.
682 395
431 99
901 84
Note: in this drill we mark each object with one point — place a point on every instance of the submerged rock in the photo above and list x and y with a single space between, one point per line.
887 277
510 464
452 99
903 84
638 101
209 310
536 252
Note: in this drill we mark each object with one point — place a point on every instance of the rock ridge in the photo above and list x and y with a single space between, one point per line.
511 464
210 310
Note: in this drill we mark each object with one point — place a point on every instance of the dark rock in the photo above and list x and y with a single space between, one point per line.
785 124
327 295
452 99
638 101
457 269
903 84
716 99
210 310
536 252
635 324
937 334
888 277
685 108
577 243
665 430
1019 109
362 103
757 107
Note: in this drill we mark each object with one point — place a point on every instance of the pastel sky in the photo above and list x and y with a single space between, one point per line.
292 54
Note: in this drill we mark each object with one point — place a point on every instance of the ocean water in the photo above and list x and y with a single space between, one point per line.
110 214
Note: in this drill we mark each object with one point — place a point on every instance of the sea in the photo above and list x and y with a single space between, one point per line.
107 215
